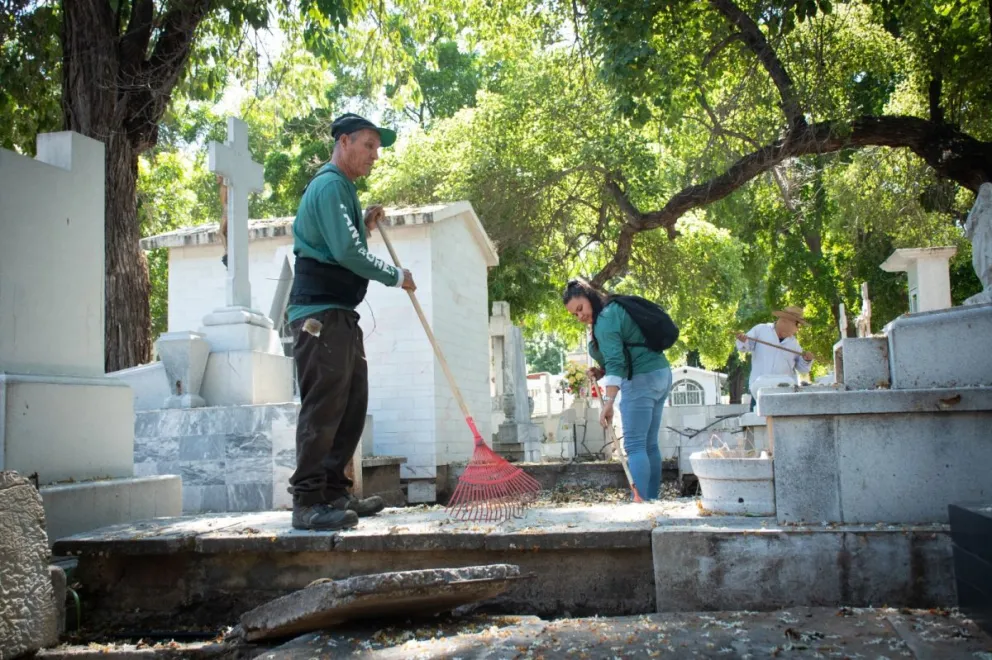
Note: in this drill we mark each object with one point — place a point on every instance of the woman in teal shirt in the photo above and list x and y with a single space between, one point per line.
640 375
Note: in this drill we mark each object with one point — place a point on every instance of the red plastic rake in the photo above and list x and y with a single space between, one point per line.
491 488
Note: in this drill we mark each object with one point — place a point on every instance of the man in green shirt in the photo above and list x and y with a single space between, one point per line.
333 270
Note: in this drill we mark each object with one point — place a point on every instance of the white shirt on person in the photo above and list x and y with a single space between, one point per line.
770 361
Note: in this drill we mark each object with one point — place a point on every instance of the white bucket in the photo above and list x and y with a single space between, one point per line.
735 486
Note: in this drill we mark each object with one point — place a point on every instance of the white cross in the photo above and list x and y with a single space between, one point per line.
232 160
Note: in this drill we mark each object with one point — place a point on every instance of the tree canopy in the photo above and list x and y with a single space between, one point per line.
783 148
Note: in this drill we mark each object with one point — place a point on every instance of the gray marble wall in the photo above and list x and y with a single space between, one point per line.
232 458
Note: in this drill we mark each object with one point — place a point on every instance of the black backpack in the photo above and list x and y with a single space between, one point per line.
660 332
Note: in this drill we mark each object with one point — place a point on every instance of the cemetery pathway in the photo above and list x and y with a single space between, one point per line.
796 633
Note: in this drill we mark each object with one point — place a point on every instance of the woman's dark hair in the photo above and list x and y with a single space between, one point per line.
580 287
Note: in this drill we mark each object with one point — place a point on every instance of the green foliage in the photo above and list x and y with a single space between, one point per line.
699 279
537 112
530 157
174 191
30 73
544 353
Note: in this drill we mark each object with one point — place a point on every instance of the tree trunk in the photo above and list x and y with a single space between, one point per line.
94 107
128 313
736 377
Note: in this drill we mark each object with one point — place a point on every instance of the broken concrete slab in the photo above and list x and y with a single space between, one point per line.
328 603
28 619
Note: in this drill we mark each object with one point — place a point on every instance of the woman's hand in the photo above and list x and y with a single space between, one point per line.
606 415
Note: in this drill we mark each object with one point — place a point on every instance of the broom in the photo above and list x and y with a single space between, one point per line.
491 488
768 343
617 449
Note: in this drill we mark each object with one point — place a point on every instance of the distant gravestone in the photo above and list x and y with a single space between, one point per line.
862 321
27 608
517 437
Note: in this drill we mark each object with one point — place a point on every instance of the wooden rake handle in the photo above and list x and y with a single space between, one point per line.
768 343
430 336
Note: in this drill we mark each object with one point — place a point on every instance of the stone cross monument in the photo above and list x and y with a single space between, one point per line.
246 363
242 176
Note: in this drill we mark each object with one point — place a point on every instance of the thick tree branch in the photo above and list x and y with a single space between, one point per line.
720 45
135 40
625 247
755 40
934 94
149 92
951 153
616 185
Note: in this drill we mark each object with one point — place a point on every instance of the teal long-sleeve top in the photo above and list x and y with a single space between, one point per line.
329 227
613 330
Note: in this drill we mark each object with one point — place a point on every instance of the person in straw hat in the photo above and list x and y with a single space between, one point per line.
768 360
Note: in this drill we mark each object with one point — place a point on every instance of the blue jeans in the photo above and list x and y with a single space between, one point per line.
641 402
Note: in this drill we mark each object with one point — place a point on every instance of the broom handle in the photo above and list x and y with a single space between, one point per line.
430 336
768 343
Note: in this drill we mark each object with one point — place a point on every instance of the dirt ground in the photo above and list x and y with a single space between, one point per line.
797 633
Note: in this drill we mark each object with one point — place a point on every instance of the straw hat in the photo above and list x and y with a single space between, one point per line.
792 313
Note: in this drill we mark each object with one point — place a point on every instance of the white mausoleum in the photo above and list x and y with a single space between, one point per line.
414 413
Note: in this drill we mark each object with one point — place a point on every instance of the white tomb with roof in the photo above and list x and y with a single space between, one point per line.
414 414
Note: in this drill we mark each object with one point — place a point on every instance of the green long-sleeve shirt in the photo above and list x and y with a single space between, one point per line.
614 328
329 227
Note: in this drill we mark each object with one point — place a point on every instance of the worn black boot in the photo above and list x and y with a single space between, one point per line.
321 517
368 506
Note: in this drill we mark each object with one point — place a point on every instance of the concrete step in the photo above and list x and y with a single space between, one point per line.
756 564
76 507
600 559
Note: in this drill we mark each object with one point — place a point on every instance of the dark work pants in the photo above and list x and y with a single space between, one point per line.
334 394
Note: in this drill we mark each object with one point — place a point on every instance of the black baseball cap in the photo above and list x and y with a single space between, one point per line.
349 123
